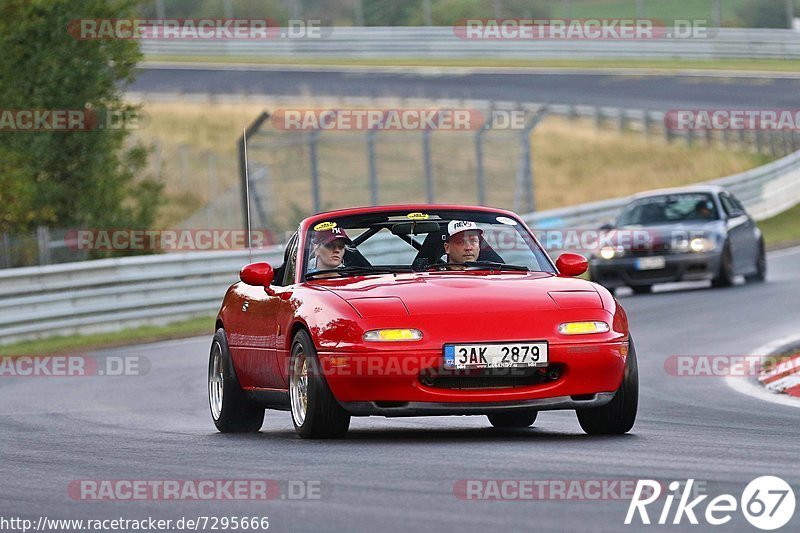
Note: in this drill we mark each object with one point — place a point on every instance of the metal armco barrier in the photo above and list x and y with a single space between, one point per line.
112 294
442 43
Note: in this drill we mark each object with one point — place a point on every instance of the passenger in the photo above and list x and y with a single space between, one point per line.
328 250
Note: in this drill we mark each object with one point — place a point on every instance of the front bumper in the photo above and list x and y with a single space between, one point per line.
623 271
475 408
396 383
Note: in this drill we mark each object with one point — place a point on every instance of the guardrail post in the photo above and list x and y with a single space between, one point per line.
372 167
426 161
479 178
6 251
312 154
621 120
525 181
598 118
646 123
212 178
43 240
772 148
249 131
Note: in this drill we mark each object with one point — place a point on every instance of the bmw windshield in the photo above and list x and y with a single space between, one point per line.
669 209
404 241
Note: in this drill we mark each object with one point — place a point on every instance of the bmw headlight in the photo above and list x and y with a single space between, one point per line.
702 244
610 252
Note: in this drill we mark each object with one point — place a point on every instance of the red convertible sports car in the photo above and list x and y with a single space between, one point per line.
420 310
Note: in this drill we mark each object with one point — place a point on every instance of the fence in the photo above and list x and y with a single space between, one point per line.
112 294
293 174
431 43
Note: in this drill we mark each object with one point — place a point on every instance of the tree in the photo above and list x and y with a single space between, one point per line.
68 178
764 14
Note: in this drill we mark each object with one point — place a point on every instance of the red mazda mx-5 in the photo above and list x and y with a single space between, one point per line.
420 310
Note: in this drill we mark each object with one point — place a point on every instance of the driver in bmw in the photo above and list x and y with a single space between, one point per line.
463 242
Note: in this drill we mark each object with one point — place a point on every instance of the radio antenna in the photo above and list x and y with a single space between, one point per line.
247 194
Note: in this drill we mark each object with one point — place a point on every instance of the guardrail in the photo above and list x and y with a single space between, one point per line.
110 294
442 43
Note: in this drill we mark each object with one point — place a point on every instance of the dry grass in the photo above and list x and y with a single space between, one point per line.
573 163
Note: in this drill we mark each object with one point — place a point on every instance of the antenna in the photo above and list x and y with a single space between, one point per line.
247 193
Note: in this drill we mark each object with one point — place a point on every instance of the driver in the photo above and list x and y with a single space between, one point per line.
463 241
328 251
703 209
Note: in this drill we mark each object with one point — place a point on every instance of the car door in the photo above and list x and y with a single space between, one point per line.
738 224
286 308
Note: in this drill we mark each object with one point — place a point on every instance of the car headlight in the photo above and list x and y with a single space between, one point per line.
610 252
583 328
392 335
701 244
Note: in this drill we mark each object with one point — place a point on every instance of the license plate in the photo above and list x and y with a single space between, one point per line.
650 263
526 354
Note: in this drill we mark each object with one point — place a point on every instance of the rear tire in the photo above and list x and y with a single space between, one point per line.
761 265
617 416
642 289
726 274
521 419
231 409
316 413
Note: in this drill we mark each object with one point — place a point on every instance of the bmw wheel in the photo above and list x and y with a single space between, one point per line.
761 265
726 275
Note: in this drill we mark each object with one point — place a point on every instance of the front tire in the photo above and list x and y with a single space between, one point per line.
726 275
642 289
315 412
231 409
761 265
618 415
522 419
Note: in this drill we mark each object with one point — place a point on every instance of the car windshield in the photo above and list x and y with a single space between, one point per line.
404 241
668 208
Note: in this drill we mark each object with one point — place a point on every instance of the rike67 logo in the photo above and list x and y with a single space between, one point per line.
767 502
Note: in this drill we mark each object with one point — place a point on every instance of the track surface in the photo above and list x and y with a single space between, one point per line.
398 474
630 91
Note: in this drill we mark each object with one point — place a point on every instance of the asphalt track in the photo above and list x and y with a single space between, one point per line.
398 475
628 90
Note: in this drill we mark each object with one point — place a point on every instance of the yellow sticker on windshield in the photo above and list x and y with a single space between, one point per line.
418 216
325 226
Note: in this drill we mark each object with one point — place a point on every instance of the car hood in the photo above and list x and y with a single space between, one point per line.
436 292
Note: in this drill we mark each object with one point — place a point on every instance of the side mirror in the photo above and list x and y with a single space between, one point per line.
572 264
607 226
257 275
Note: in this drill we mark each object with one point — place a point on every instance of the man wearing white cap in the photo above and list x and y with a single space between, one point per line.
463 241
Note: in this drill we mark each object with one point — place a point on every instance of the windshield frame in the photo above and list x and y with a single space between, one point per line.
435 213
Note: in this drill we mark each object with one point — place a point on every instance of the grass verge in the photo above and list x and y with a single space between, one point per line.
782 230
74 343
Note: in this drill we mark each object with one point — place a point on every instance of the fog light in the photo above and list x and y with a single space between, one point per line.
392 335
582 328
